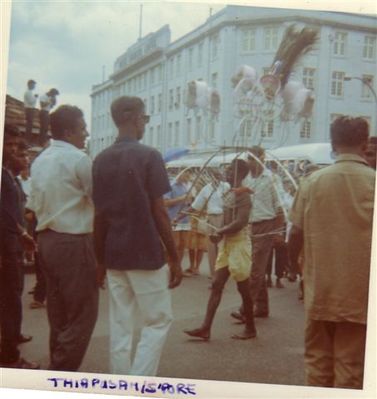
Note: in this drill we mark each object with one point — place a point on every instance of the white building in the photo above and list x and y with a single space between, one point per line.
158 70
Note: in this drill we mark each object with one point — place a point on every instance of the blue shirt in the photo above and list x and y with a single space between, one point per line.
177 190
127 176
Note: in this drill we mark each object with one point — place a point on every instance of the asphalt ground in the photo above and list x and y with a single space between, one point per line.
274 357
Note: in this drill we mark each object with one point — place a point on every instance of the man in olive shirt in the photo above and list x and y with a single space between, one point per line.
129 182
332 219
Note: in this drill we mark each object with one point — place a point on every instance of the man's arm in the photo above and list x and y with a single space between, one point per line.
84 174
169 202
296 235
162 222
99 237
295 244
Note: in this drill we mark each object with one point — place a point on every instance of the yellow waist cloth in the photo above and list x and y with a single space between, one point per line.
235 253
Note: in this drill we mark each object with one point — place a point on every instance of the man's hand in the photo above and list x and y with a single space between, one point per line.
175 274
101 274
28 243
216 237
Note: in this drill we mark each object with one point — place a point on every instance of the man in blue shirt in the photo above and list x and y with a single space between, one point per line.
131 227
176 200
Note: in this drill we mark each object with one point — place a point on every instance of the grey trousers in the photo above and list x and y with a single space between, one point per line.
68 264
262 244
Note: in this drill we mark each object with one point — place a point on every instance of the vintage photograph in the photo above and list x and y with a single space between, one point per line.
187 196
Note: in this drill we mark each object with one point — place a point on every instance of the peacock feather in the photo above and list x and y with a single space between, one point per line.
295 44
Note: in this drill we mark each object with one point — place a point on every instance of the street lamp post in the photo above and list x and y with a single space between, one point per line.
366 81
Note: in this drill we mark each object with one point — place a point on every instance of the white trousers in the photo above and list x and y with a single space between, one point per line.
145 296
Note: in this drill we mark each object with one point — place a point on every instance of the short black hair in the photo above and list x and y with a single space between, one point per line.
241 167
53 92
64 118
257 151
348 131
31 82
124 107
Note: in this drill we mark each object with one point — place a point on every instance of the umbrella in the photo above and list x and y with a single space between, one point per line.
175 153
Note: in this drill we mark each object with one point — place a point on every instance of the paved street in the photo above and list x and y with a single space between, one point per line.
275 356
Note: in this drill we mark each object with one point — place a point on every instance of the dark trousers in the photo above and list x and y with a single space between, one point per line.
281 260
68 264
40 286
11 287
262 244
29 117
44 121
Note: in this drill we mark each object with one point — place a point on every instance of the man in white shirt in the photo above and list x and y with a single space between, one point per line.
210 199
47 101
60 197
266 219
30 101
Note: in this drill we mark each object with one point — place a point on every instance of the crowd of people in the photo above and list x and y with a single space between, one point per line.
120 219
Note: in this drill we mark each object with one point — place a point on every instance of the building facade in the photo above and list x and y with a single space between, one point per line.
340 69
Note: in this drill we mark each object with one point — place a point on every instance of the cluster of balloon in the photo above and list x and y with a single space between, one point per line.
243 82
297 99
198 95
252 94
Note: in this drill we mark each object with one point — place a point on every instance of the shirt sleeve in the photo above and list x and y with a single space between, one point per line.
200 199
84 174
157 181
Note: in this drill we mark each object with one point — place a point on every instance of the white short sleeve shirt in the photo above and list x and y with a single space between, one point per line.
212 196
61 189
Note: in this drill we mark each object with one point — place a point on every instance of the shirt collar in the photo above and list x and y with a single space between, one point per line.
350 158
125 140
64 144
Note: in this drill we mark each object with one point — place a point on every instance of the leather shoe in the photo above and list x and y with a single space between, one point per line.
24 338
21 364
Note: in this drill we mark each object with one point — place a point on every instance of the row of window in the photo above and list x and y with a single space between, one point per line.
270 42
195 132
153 137
249 40
194 56
174 100
340 44
308 79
